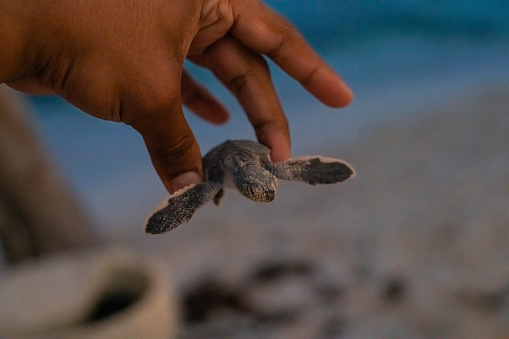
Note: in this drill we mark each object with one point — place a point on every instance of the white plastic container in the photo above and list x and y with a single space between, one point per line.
112 293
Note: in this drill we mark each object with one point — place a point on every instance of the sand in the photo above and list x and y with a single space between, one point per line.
416 246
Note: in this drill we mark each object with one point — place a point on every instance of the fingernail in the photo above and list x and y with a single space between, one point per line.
183 180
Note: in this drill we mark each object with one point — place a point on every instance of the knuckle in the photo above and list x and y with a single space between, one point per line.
156 88
176 155
214 11
238 83
257 67
309 76
271 126
174 150
155 99
282 33
279 41
147 102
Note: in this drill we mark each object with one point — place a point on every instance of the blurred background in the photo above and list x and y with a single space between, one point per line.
415 246
401 59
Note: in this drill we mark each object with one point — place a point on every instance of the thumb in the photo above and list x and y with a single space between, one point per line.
172 147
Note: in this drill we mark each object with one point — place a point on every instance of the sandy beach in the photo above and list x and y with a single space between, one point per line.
416 246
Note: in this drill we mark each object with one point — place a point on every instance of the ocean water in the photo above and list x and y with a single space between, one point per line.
401 58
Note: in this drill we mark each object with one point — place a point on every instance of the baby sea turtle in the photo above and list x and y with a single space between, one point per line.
246 166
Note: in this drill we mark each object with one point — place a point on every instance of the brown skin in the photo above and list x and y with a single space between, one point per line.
122 60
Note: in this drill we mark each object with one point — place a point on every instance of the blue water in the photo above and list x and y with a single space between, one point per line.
401 58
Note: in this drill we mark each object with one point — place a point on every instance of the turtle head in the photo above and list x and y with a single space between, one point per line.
256 183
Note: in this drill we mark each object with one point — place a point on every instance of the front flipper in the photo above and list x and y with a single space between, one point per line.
181 207
313 170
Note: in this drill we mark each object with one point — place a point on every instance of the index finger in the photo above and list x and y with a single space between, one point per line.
268 33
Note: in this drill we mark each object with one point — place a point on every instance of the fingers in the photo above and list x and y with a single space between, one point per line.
201 102
154 109
246 74
265 32
170 142
172 147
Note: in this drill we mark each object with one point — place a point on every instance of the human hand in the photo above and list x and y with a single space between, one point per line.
123 61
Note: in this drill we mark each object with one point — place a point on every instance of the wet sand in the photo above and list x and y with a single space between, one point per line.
416 246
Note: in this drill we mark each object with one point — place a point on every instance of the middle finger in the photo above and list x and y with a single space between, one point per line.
247 76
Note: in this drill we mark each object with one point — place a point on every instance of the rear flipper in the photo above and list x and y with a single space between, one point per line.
181 206
313 170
